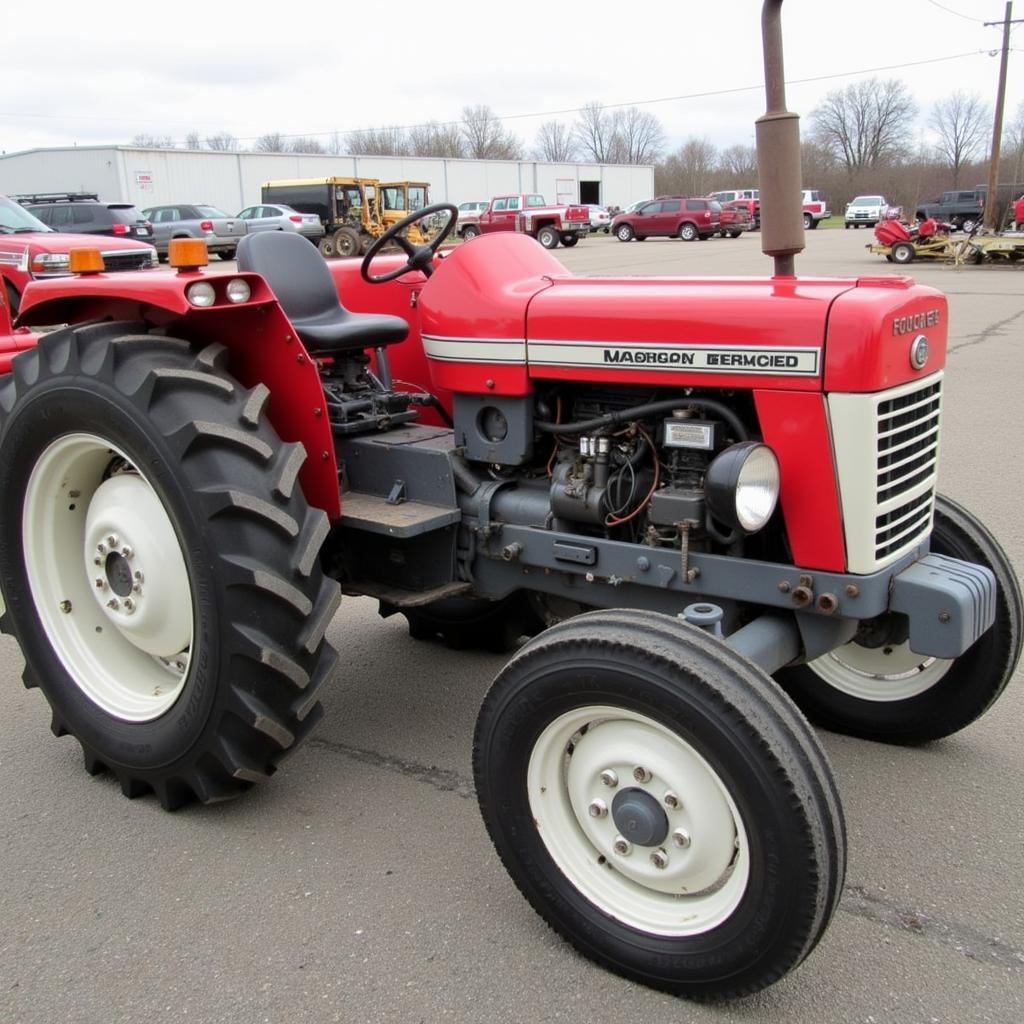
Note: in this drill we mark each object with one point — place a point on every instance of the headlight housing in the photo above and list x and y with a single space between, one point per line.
742 486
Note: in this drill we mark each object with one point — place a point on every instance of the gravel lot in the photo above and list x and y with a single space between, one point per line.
361 887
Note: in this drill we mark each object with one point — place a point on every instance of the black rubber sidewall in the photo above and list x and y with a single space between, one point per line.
56 409
735 950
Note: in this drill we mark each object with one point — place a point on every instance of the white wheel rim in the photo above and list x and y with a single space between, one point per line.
892 672
701 884
107 577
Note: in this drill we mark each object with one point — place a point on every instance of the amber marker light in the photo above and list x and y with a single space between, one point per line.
85 261
187 253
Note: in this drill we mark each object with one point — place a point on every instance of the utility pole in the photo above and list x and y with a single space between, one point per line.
992 197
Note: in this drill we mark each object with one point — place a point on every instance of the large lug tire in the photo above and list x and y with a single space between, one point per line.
326 247
159 562
661 803
548 237
569 239
624 233
688 232
471 623
347 242
903 252
892 695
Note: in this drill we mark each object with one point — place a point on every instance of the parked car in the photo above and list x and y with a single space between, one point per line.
815 208
220 232
683 216
469 218
30 250
870 210
82 213
600 218
749 197
268 217
734 219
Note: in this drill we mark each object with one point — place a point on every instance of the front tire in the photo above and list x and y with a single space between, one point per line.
688 232
903 253
624 233
346 242
469 231
159 562
660 803
888 693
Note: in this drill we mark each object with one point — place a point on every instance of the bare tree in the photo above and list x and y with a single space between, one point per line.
271 142
865 124
640 136
436 140
486 137
193 140
689 170
595 134
739 165
961 123
306 144
147 141
390 141
555 143
222 141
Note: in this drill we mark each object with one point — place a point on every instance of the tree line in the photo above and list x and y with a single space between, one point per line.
867 137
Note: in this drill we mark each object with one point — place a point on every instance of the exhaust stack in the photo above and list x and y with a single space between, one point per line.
778 154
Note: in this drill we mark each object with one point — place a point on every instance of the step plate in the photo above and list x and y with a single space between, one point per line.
371 512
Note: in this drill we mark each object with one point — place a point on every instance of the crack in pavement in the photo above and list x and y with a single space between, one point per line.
856 900
993 330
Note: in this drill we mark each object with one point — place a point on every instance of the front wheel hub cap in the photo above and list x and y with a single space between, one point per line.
639 817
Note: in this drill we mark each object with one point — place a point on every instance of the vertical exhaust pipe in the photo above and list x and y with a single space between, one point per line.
778 154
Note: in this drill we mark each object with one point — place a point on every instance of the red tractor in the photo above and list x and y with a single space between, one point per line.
681 488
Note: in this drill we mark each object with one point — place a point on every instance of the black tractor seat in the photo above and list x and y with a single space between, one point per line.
298 276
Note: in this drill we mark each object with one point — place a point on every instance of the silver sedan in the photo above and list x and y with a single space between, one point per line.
276 217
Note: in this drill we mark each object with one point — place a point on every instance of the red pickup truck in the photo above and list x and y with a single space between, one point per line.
528 213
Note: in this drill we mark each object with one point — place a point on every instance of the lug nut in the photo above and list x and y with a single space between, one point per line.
114 604
681 838
609 778
136 589
623 846
112 540
65 606
129 605
641 774
126 551
138 577
671 800
97 560
100 582
101 548
598 809
659 859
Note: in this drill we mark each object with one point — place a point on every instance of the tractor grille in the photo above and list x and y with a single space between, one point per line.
887 455
128 260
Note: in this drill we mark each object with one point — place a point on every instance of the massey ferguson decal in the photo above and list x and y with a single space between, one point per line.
776 361
915 322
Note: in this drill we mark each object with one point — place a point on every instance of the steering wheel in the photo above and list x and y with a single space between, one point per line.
421 257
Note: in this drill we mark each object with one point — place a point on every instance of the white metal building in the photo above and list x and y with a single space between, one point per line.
231 181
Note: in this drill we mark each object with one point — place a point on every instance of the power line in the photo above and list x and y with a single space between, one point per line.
949 10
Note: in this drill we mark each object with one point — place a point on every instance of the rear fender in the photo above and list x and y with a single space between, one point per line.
262 345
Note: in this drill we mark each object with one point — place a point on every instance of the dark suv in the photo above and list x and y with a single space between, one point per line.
682 216
82 213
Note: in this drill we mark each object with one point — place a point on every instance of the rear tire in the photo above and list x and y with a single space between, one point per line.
737 852
226 254
470 231
548 237
200 686
890 694
326 247
569 239
346 242
808 222
688 232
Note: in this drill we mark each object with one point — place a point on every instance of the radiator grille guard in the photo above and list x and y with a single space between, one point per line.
887 460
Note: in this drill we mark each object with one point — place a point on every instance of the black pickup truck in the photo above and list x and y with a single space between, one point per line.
962 209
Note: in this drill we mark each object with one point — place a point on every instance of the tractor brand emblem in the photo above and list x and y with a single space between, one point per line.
914 322
919 352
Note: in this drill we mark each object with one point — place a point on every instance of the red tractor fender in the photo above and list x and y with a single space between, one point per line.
262 345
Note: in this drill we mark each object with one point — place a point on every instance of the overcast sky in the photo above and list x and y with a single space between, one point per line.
102 73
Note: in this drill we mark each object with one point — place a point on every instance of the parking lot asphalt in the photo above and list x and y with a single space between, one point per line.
360 885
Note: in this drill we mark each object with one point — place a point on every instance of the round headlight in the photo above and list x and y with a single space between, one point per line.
742 486
201 294
238 290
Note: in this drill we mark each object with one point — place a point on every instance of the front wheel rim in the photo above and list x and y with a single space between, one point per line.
880 674
685 882
107 577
